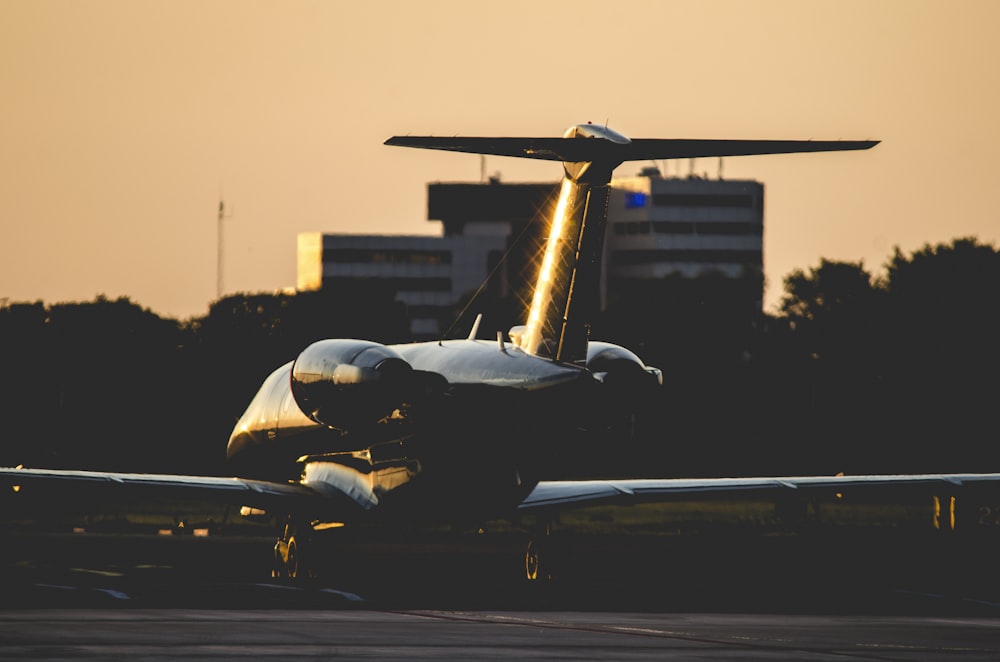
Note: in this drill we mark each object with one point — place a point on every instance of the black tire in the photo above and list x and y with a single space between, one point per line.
292 569
534 567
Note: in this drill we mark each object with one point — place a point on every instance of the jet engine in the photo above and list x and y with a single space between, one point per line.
621 369
344 383
627 383
627 387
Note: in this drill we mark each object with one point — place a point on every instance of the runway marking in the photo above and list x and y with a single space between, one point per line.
734 641
118 595
344 594
982 602
102 573
347 595
905 648
284 587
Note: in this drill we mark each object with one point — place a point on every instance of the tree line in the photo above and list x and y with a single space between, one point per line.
856 372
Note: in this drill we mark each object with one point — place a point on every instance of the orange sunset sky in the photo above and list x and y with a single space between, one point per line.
125 121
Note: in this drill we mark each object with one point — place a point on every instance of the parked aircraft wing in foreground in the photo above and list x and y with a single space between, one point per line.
552 495
579 493
460 431
69 485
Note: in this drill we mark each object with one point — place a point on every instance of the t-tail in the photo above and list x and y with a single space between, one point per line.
566 294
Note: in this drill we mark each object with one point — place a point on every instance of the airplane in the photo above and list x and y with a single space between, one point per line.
460 431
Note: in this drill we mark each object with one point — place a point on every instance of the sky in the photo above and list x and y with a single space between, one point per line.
125 122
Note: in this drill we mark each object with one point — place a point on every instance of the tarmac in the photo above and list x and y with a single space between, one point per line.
871 596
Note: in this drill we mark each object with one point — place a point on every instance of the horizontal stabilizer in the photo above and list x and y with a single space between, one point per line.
653 148
575 150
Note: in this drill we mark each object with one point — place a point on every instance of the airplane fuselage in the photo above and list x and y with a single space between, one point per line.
474 436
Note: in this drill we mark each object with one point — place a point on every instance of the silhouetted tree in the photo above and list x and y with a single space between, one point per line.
30 390
834 312
100 382
897 369
942 361
856 373
701 332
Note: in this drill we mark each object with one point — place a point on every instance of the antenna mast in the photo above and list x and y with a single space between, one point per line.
218 275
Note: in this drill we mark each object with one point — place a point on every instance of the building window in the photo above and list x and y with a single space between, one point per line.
707 256
424 311
673 227
385 256
742 200
635 200
710 228
631 227
395 284
730 228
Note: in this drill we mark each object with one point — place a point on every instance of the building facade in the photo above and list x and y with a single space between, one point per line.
657 227
429 274
691 227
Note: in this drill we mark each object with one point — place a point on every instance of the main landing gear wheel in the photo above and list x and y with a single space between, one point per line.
534 567
292 559
288 561
538 557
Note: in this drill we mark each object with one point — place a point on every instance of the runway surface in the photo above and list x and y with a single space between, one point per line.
225 634
101 596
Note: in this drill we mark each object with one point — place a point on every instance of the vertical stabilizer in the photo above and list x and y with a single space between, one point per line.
567 289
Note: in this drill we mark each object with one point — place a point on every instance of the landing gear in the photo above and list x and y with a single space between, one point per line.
538 556
534 562
289 561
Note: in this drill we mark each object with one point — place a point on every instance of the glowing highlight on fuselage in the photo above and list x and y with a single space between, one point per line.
542 297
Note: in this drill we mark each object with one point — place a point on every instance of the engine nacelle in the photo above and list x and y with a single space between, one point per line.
625 390
343 383
621 369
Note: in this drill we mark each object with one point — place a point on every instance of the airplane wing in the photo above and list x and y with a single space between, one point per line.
339 502
557 495
51 485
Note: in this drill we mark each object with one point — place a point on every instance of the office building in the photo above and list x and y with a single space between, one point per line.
657 227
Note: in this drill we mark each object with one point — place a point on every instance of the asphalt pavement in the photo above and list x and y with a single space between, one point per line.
871 596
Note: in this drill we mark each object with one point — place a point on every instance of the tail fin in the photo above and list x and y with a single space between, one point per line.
566 296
